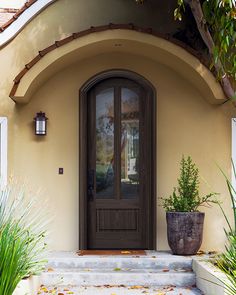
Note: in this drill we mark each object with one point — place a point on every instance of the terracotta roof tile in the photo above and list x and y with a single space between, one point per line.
110 26
9 15
20 75
5 16
13 90
33 61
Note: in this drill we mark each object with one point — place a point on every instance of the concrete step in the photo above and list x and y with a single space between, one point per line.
119 290
153 260
128 277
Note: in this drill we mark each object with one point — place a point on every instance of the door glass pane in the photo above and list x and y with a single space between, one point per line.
129 143
105 144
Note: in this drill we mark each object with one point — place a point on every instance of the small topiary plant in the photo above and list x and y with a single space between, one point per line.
185 197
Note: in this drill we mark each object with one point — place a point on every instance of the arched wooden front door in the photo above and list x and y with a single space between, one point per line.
119 157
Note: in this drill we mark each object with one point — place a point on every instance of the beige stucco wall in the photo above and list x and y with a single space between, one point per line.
186 122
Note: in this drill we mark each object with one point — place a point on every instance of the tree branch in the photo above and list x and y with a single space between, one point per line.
197 12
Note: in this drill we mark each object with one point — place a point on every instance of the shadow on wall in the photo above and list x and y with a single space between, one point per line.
64 17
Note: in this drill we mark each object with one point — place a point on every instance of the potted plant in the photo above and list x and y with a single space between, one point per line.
184 221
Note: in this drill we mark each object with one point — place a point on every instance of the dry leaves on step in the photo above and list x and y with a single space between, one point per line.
201 252
136 287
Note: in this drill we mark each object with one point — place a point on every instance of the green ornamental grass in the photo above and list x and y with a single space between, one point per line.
227 261
22 238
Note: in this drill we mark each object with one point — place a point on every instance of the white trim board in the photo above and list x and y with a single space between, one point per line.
10 32
3 152
233 146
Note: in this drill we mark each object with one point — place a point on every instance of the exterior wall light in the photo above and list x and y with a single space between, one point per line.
40 124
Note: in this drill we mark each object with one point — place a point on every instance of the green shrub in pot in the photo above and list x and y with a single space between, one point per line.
184 221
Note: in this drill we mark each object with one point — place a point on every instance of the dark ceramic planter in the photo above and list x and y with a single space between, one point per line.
184 232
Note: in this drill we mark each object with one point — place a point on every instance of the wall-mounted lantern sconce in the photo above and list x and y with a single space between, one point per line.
40 124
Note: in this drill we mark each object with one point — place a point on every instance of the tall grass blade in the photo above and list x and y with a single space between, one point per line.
227 261
22 238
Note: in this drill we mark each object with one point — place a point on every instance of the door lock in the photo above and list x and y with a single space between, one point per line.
90 183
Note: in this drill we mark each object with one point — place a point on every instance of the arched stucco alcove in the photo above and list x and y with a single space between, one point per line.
186 121
125 41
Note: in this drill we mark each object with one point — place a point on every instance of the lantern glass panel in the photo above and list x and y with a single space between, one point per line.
40 126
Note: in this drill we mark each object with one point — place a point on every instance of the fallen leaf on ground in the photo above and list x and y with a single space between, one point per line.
212 252
136 287
201 252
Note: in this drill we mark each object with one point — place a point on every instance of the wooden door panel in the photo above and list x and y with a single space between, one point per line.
117 220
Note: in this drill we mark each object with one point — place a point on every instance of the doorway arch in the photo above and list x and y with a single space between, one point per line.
144 221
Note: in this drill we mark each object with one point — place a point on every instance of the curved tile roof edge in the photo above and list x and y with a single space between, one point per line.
18 12
27 12
110 26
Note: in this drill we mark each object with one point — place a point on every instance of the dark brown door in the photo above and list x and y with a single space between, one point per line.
118 181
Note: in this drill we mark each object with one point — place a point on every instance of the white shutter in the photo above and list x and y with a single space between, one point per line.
234 150
3 152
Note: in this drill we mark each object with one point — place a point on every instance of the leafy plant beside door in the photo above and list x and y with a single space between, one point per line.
22 238
184 221
227 260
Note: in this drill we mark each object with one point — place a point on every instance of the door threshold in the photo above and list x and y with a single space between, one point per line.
112 252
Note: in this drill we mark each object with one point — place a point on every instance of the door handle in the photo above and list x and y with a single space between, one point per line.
90 183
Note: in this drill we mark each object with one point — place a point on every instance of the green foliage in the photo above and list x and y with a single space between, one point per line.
227 261
186 198
220 19
179 9
232 193
22 238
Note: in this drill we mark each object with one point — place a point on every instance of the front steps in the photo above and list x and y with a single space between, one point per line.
122 274
119 290
149 277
